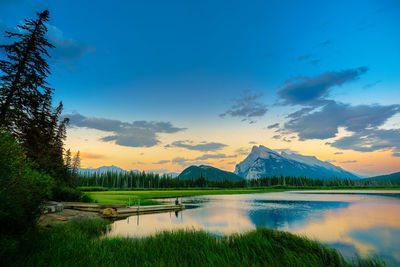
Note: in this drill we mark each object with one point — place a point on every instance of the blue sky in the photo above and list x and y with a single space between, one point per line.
189 62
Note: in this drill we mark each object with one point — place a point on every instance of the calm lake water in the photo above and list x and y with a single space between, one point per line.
353 221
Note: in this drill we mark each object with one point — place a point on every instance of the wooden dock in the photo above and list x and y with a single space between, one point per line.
135 210
119 210
90 206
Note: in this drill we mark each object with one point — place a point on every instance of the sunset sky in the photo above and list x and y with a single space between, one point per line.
161 85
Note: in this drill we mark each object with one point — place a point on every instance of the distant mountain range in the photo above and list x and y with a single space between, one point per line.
265 162
114 169
211 173
103 169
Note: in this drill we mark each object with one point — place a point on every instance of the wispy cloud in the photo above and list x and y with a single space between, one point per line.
201 160
131 134
325 43
275 125
321 118
324 123
162 162
184 162
202 146
242 151
367 86
305 57
370 140
311 90
246 107
349 161
66 49
214 156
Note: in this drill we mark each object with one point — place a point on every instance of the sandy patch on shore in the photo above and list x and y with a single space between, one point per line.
66 215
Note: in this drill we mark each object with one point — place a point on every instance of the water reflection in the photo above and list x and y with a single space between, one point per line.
366 223
282 214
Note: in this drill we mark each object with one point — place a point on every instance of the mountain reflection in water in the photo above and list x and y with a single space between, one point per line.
365 222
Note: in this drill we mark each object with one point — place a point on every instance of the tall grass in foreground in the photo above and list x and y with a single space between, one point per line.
78 243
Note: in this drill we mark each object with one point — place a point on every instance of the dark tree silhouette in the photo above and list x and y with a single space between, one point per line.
26 108
76 164
24 71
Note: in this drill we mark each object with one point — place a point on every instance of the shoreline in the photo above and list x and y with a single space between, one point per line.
149 197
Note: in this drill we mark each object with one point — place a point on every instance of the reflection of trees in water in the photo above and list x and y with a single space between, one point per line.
291 214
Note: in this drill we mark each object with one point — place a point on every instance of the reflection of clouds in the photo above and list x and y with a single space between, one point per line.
226 221
386 239
226 214
337 225
233 220
349 222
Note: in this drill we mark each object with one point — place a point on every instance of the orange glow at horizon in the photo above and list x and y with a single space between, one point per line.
95 153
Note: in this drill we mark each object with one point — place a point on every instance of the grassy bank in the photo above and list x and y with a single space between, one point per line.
77 243
122 196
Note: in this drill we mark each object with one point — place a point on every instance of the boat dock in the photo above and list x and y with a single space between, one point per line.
90 206
119 210
135 210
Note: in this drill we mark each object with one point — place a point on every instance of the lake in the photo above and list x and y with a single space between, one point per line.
353 221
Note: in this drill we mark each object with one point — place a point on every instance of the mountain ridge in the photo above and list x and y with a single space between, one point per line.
208 172
392 177
263 162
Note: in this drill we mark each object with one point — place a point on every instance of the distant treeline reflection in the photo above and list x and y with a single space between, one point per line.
151 180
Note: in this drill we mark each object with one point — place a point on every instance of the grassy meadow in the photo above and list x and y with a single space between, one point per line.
122 197
78 243
105 195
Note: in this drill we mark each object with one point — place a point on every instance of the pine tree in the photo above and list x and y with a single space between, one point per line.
24 72
75 168
26 108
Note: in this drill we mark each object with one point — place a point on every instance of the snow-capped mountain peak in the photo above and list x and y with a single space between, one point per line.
262 162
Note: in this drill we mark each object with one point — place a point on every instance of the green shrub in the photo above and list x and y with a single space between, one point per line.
65 193
22 189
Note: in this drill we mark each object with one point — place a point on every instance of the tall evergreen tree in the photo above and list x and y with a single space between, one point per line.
24 72
75 168
26 108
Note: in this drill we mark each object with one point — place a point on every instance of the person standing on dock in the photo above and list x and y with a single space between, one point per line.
176 201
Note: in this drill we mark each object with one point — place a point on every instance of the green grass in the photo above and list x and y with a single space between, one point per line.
122 196
78 243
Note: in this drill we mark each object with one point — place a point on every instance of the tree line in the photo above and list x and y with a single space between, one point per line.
134 179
